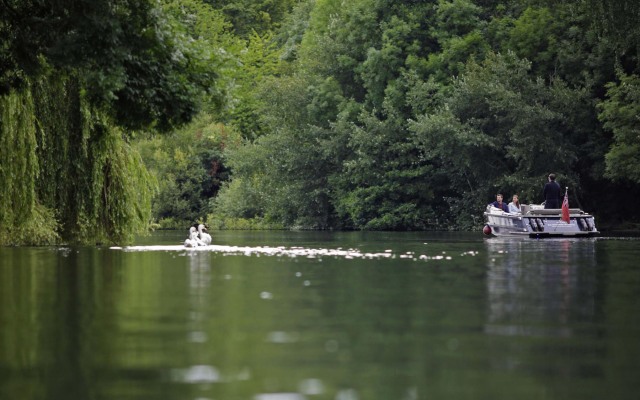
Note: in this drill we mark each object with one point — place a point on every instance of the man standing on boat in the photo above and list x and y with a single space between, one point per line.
500 204
551 193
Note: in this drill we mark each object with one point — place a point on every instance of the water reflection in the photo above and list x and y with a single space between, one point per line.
539 287
279 396
199 283
199 271
477 319
197 374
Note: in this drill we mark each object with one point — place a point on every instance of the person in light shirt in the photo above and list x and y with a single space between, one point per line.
514 206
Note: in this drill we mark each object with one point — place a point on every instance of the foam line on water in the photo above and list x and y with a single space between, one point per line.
270 251
289 251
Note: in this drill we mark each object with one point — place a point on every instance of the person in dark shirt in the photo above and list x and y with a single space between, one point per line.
551 193
500 204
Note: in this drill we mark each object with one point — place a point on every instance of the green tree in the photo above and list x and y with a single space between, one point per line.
23 219
194 167
73 75
190 166
457 29
131 60
410 115
313 155
258 60
67 173
501 130
385 185
293 29
618 22
249 16
619 114
288 169
535 36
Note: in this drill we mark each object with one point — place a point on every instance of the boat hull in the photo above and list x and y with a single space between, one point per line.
539 223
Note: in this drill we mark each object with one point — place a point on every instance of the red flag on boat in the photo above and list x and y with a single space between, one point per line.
565 207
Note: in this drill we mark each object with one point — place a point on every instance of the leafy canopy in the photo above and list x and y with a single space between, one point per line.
132 58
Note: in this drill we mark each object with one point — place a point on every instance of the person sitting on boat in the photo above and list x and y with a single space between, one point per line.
500 204
514 206
551 193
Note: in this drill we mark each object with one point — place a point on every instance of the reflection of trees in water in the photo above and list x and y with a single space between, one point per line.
199 282
539 287
541 307
199 271
65 322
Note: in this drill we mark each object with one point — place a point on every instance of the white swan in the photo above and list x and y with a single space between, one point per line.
203 235
192 240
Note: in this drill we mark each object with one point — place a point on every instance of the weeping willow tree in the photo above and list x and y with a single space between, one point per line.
73 74
67 173
23 220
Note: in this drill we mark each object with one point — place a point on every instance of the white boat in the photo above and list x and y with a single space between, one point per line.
535 221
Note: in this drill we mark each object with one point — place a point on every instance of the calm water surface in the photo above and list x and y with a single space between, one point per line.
316 315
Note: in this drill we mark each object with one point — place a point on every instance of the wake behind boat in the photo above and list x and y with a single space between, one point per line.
536 222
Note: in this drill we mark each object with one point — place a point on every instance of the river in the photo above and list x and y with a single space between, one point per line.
322 315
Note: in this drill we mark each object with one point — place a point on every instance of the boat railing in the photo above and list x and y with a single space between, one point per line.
535 210
552 211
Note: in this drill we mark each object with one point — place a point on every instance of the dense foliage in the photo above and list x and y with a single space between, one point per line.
67 172
321 114
76 77
412 115
190 168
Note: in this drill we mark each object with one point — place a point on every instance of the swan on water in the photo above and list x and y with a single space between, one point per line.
192 240
203 235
